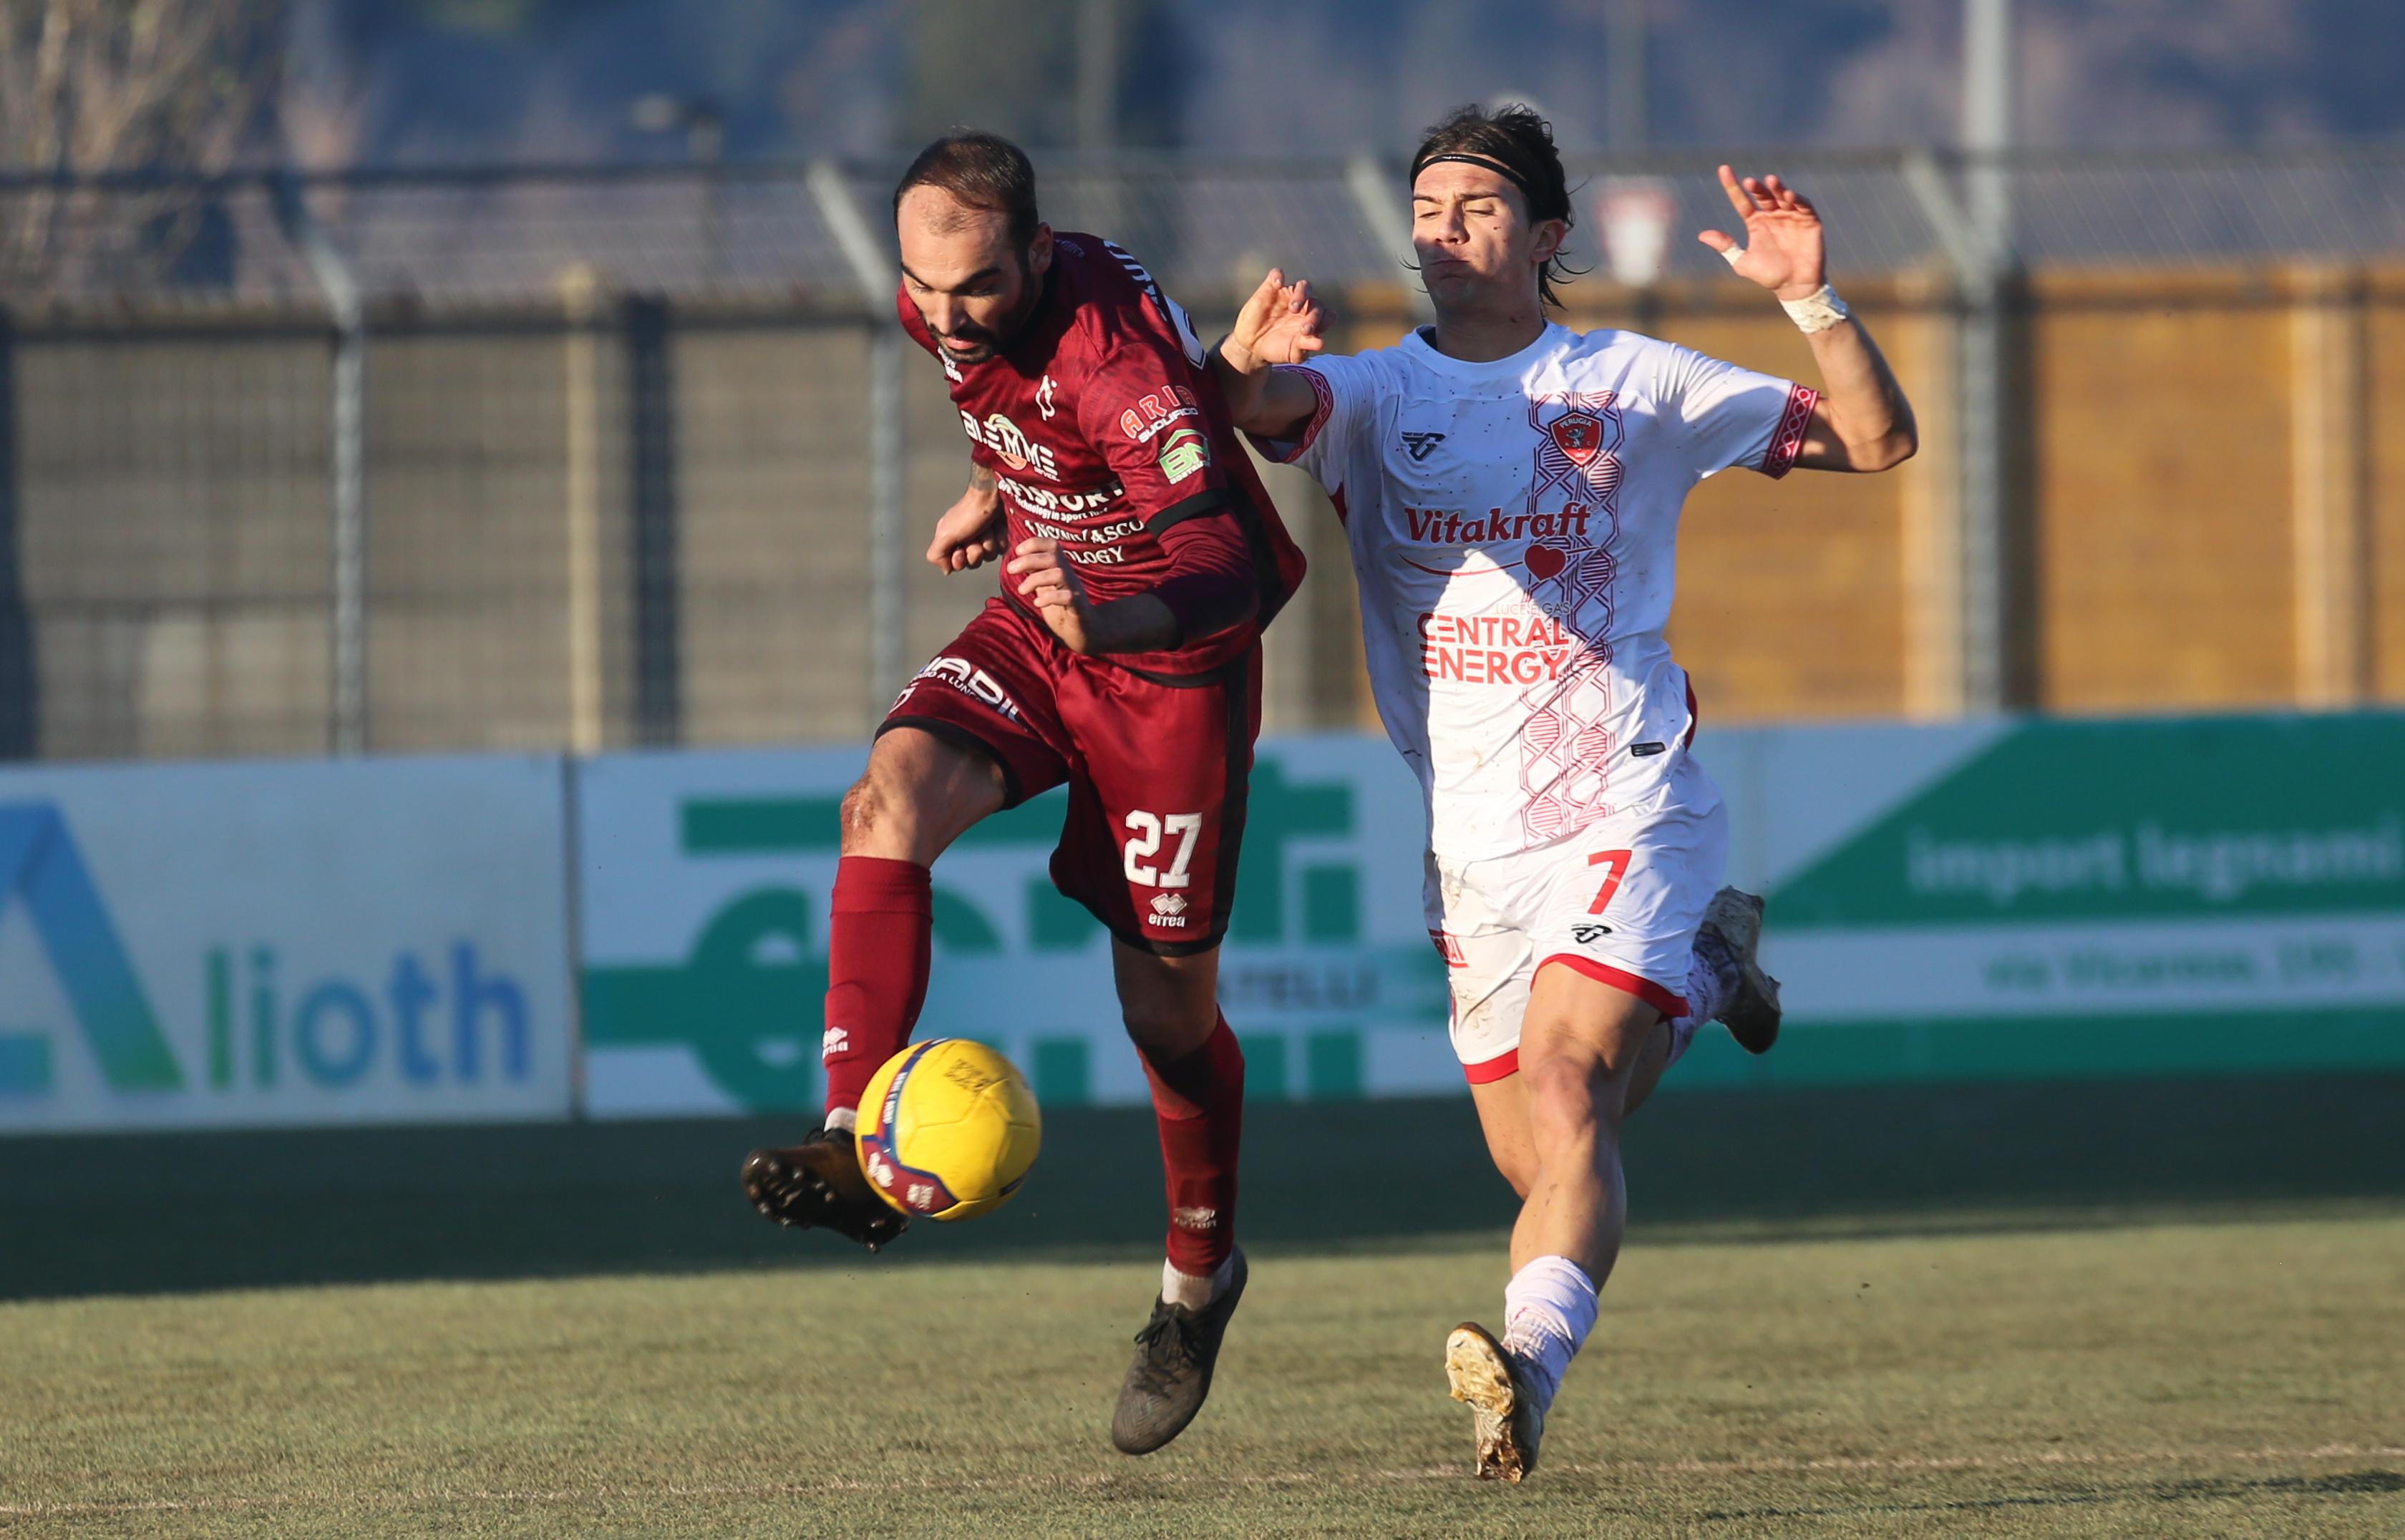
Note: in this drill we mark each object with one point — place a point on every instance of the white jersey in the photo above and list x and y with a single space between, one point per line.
1514 525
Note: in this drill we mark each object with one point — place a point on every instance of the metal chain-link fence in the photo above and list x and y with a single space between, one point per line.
590 457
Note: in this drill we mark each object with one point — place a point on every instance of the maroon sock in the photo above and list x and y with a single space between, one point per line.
1199 1101
878 939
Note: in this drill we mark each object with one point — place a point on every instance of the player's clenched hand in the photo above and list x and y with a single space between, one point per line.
1048 581
969 535
1784 250
1279 325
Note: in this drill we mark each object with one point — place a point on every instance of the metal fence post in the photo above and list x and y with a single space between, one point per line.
19 712
1983 403
888 620
580 295
2330 420
348 713
887 615
651 431
1385 213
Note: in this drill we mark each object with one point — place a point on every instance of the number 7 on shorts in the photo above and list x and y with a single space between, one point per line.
1618 862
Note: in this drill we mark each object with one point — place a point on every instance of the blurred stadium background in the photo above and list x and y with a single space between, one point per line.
588 458
515 382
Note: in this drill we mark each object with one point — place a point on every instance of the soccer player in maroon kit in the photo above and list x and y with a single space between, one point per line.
1122 657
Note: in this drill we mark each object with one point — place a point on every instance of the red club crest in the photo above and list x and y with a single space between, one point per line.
1578 435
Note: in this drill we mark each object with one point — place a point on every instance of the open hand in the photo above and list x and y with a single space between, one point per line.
1051 583
1279 325
1783 248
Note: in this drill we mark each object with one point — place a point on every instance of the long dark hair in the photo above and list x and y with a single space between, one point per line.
1520 145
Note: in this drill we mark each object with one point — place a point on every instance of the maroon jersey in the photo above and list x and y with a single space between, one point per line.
1106 431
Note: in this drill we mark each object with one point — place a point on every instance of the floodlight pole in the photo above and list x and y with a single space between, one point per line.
887 618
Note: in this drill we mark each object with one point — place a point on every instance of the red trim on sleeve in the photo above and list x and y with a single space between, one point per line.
1278 451
1787 438
1502 1068
1603 973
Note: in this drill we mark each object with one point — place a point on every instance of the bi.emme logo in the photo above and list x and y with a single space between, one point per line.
435 1017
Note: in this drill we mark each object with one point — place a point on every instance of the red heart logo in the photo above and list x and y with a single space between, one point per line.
1546 561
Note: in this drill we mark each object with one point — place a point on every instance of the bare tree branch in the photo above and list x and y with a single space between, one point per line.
92 86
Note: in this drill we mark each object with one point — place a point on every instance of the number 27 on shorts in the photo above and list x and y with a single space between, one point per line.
1149 830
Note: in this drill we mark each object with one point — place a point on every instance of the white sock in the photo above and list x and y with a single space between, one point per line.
1707 994
846 1118
1548 1308
1196 1292
1709 983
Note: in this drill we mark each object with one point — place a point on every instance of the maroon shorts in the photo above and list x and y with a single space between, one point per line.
1156 767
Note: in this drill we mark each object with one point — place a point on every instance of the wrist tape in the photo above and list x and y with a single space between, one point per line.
1817 312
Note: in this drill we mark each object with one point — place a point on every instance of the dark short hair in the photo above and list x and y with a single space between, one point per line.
981 171
1515 138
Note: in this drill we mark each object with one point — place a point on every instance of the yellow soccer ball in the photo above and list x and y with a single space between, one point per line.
947 1129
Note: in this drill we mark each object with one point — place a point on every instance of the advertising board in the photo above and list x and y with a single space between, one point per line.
705 881
238 945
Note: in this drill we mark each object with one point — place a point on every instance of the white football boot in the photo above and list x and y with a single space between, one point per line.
1734 920
1507 1421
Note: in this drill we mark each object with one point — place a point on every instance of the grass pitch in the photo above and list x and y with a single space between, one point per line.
2233 1377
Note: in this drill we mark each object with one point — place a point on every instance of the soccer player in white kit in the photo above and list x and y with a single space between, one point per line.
1511 492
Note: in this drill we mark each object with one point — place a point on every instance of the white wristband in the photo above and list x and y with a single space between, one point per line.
1817 312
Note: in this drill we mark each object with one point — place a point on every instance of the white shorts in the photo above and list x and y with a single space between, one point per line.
1619 901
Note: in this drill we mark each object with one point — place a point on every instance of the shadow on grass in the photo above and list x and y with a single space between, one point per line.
122 1214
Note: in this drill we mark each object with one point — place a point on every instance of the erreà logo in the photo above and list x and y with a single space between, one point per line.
41 869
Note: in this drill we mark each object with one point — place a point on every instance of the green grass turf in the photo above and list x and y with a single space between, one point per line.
2235 1378
151 1213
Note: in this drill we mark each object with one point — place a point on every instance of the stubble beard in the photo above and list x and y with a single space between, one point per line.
996 342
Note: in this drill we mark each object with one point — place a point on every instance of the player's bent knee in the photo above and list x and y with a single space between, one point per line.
1518 1167
1166 1024
868 814
1571 1101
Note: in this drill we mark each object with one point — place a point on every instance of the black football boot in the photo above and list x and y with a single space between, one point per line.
818 1184
1174 1355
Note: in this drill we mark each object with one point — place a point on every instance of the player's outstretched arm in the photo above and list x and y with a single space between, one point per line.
1862 422
1278 324
970 532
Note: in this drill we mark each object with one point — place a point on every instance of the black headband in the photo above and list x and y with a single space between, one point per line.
1527 188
